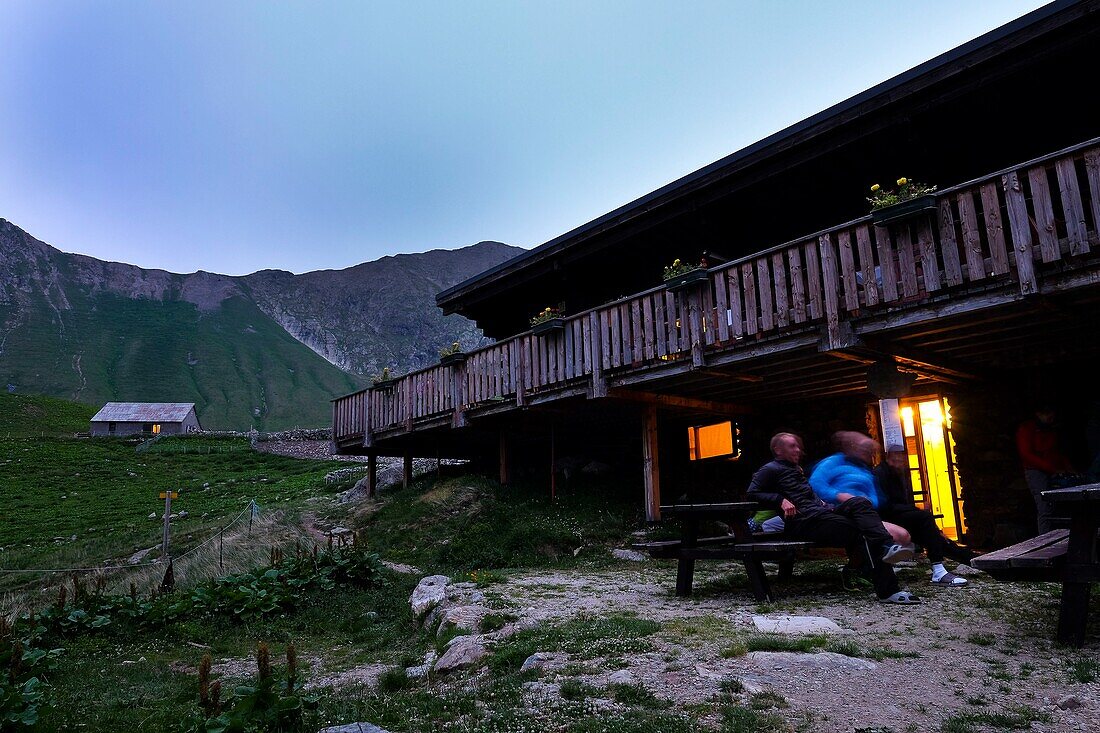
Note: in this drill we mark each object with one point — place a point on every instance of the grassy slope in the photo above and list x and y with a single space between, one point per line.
102 490
239 367
28 416
468 523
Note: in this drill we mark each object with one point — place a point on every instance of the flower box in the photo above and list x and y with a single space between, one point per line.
688 279
904 210
384 385
451 359
548 326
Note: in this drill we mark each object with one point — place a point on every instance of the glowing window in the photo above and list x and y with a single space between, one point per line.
714 441
156 428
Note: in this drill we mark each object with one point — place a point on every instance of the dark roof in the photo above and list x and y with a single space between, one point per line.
995 42
144 412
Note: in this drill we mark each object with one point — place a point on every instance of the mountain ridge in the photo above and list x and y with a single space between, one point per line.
77 327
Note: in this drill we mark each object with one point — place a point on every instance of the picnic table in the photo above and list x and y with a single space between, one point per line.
1069 556
741 544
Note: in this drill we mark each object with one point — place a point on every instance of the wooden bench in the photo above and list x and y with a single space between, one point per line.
753 553
1041 559
1071 557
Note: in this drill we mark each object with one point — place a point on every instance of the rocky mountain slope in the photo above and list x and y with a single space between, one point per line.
266 350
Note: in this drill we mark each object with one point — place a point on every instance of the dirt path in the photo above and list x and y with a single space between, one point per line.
986 647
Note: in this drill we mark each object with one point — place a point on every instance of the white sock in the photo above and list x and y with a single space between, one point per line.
938 571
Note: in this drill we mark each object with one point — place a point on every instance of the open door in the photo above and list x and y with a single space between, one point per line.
926 425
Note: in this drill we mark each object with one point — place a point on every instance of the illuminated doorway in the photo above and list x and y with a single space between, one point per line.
926 424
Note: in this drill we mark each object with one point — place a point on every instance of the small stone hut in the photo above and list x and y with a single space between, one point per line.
150 418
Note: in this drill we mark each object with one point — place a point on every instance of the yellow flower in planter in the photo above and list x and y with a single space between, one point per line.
903 181
875 188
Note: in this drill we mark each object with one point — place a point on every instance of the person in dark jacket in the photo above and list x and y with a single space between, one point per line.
896 505
853 524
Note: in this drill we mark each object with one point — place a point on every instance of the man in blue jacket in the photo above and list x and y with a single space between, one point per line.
848 473
852 524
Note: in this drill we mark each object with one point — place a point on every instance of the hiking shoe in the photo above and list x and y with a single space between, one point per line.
897 553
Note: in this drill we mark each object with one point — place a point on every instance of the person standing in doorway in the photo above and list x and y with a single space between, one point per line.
1041 458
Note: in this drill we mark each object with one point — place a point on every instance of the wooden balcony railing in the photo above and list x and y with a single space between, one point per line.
992 231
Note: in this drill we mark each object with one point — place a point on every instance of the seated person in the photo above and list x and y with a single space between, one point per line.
853 524
847 473
896 504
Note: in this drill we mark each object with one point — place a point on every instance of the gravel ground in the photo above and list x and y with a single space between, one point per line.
987 647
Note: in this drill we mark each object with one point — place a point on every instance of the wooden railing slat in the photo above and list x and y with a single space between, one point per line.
907 263
721 296
1019 226
848 270
1043 207
737 321
831 286
1092 172
748 287
767 299
798 284
972 242
684 321
926 246
949 247
994 230
782 302
813 278
867 266
1072 207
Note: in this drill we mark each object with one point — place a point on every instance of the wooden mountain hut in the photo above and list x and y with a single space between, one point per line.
937 327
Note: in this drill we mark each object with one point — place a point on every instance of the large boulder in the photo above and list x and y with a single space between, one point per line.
429 593
464 651
463 618
796 625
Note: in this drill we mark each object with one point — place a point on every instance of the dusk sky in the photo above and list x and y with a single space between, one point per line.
238 136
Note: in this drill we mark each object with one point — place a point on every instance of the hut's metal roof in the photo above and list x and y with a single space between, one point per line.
144 412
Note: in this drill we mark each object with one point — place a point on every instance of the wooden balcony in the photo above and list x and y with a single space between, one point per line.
997 240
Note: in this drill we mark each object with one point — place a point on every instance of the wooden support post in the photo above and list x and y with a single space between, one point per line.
505 458
651 472
407 470
372 476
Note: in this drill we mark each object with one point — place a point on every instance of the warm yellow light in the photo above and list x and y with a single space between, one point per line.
711 441
907 422
156 428
930 412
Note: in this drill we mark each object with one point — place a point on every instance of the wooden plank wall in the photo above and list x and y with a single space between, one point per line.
1004 228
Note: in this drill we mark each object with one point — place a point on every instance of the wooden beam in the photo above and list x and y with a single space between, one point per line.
688 403
727 375
407 470
918 360
651 472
